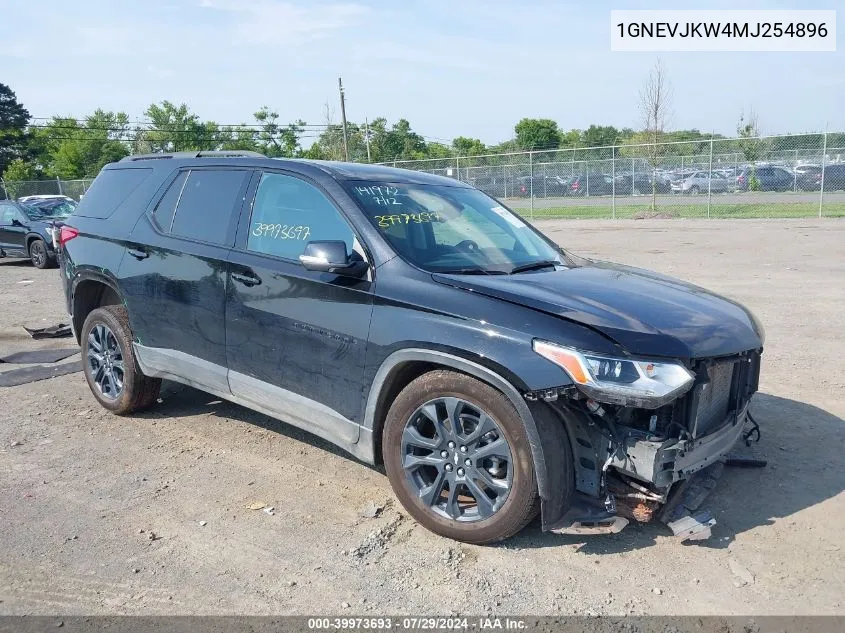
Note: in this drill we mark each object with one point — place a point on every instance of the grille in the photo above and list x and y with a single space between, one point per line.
714 398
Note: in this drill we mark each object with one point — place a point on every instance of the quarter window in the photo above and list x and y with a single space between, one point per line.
207 204
167 206
288 213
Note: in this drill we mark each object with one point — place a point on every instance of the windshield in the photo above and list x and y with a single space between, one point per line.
55 209
452 229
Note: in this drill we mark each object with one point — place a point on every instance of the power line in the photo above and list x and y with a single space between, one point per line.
258 126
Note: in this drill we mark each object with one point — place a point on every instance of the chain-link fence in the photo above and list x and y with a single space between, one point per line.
761 177
54 187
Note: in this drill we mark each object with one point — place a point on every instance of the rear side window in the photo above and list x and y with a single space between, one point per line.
207 204
109 190
167 206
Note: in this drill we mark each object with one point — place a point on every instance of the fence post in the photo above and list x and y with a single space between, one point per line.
613 184
710 178
59 183
545 177
821 185
531 182
458 167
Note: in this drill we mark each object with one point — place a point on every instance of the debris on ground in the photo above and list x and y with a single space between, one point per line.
452 557
203 523
743 576
59 330
378 539
371 510
256 505
38 356
657 590
34 373
269 510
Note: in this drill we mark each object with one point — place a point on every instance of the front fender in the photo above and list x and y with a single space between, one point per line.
395 361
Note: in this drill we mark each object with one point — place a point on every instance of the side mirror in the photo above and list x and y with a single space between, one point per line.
330 256
17 222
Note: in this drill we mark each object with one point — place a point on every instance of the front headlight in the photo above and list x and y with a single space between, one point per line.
633 383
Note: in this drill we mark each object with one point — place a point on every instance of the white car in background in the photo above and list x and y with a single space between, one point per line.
701 182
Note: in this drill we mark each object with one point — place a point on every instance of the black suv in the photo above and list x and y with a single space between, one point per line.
27 231
413 321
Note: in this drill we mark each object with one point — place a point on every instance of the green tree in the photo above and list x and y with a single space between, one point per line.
465 146
176 129
537 134
67 148
753 148
14 139
599 136
277 140
16 172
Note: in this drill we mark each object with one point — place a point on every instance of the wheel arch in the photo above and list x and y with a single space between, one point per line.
31 237
405 365
91 291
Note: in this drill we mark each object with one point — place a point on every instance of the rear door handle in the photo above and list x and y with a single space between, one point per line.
138 253
247 279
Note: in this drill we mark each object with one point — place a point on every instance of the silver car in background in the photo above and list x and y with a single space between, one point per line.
701 182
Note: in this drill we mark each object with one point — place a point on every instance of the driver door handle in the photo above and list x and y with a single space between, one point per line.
248 279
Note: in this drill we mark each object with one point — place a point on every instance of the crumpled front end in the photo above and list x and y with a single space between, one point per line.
636 464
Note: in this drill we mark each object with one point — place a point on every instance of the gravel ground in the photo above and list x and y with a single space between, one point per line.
150 514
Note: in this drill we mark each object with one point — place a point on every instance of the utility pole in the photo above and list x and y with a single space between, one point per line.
367 137
343 116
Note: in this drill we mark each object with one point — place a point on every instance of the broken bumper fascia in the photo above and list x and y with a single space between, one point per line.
664 463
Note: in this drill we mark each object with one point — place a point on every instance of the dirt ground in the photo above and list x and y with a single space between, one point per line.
149 514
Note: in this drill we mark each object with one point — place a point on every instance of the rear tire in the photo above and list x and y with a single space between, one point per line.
470 467
109 363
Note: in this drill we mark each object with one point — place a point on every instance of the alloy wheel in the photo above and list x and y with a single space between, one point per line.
457 459
105 361
37 253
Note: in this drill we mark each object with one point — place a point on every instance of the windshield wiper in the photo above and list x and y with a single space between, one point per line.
534 266
474 270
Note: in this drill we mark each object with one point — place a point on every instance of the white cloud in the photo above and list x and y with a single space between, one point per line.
285 23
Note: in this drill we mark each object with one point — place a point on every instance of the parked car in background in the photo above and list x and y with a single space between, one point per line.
834 177
33 199
591 185
412 321
27 232
808 177
701 182
53 207
543 186
640 183
769 179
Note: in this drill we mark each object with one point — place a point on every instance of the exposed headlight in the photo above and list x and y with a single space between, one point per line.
634 383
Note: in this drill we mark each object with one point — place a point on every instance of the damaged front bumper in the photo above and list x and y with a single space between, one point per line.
635 465
664 463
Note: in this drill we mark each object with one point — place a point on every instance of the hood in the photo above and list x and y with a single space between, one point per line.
646 313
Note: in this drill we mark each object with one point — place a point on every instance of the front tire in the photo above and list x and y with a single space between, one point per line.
38 254
109 363
457 456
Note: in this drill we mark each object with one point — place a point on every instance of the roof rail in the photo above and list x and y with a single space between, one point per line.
219 154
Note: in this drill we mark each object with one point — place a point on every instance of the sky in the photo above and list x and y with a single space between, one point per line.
452 68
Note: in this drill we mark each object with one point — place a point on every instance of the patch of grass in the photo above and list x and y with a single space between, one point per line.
723 211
